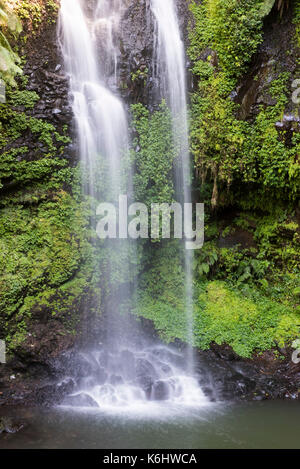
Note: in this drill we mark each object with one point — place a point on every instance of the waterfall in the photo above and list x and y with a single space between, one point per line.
90 57
170 75
100 116
130 369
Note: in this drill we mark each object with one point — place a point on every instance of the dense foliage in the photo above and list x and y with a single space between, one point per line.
229 150
154 155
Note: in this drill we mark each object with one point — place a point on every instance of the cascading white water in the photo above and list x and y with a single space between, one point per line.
107 17
170 74
100 116
90 55
129 370
135 379
169 59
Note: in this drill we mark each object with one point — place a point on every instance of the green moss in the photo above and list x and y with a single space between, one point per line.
232 28
47 263
245 319
228 151
18 165
25 98
140 75
161 293
296 20
155 154
225 316
244 297
51 263
10 27
30 12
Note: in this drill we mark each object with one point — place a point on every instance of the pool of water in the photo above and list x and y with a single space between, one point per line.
159 426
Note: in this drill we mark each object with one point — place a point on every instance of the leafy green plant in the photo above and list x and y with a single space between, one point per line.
229 151
154 155
227 316
206 259
9 60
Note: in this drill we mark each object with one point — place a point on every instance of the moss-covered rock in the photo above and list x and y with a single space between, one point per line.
49 267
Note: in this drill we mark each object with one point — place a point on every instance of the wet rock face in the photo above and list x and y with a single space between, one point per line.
136 46
44 68
184 16
239 237
270 61
146 375
222 375
135 43
287 127
137 30
225 376
80 400
160 391
44 72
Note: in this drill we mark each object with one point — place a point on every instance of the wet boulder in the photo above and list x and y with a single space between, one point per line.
101 375
145 375
128 364
83 367
80 400
116 380
160 391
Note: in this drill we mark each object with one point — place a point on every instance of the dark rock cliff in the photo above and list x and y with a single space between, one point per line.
137 30
270 61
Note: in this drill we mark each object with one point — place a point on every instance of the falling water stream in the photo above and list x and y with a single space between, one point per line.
100 117
130 370
170 74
